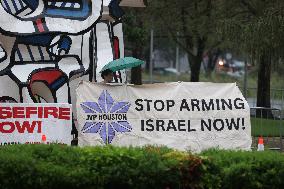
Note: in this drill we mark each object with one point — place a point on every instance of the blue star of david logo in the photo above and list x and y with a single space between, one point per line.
106 106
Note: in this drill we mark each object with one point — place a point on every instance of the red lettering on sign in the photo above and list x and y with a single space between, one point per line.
50 111
26 126
10 127
40 112
39 126
5 112
64 113
18 112
31 111
3 127
35 112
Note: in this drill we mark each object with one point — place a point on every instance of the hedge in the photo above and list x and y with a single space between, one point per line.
54 166
249 169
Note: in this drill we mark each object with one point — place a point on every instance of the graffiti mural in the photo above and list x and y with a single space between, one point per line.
48 46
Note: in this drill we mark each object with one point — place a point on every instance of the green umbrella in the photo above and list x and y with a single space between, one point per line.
122 63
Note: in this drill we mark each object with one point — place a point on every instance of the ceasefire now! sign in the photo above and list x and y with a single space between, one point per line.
30 123
185 116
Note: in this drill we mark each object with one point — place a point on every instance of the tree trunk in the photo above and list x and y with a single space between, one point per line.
195 61
136 76
136 72
263 85
195 70
212 59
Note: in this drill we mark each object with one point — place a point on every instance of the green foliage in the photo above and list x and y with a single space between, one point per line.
134 28
249 169
193 19
253 26
43 166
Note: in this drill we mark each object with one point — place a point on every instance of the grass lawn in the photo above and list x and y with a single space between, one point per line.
266 127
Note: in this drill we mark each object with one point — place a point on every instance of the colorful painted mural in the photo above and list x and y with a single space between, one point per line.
48 46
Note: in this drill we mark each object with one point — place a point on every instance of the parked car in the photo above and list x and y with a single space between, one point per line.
166 71
234 68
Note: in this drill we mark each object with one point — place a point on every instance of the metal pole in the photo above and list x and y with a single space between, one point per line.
171 64
177 59
151 55
94 55
281 130
177 54
245 79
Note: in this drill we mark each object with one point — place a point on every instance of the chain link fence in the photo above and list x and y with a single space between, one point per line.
267 122
269 127
276 96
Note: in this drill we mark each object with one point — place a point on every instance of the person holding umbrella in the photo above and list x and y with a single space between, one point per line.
119 64
107 76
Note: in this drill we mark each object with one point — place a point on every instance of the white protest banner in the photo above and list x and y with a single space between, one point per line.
22 123
184 116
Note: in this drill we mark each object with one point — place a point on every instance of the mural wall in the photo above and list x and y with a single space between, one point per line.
48 46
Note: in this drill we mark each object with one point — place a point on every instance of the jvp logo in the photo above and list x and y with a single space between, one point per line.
106 117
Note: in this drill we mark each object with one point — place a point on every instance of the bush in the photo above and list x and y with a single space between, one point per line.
54 166
249 169
43 166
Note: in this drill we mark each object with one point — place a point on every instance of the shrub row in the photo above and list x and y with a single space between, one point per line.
53 166
249 169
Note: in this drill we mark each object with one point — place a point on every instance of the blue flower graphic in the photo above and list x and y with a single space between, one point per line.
106 106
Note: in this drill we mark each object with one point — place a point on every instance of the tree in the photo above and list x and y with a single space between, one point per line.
256 27
213 55
190 23
136 35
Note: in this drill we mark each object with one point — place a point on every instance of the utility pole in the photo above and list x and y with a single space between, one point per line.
151 55
245 79
177 58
